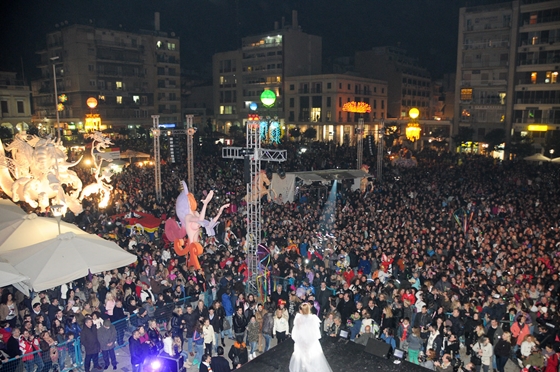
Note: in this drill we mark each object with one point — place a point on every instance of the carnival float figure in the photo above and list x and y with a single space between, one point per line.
102 185
261 188
191 221
37 170
365 182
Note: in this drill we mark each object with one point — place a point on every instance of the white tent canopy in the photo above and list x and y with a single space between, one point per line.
537 157
30 229
66 257
133 154
9 274
10 211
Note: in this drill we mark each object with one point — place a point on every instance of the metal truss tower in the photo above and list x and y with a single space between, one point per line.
156 132
190 156
254 154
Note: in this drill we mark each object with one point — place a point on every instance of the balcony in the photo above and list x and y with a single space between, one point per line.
312 90
482 64
486 83
118 45
542 61
538 101
486 45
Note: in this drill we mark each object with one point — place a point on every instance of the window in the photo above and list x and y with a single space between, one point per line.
119 85
172 96
292 87
161 108
4 106
349 86
161 70
136 99
466 94
90 68
20 109
292 102
171 72
171 46
554 77
382 90
329 85
161 83
382 105
119 100
328 101
339 101
533 77
92 83
101 84
144 100
375 104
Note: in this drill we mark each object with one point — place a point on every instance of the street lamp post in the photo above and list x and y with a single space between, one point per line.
57 213
56 96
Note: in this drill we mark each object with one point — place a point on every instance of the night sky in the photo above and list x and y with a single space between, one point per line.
426 28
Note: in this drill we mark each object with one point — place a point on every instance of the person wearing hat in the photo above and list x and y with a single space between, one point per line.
107 336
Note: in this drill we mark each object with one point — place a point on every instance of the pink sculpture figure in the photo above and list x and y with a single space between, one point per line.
191 221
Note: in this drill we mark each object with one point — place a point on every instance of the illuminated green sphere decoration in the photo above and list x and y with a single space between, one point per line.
268 98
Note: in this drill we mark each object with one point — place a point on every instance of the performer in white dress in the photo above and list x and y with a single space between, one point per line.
308 354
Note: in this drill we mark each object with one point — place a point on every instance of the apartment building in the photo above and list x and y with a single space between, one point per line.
15 103
132 76
409 84
508 61
316 101
263 63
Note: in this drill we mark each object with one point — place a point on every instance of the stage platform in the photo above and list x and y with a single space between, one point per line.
342 357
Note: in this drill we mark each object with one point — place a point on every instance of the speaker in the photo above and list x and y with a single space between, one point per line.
378 348
246 169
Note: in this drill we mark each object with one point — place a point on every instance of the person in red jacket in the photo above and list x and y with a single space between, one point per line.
552 360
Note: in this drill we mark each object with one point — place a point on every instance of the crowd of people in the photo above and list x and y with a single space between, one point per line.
458 251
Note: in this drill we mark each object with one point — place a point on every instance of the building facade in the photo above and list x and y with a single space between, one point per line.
132 76
263 63
508 62
409 84
316 101
15 103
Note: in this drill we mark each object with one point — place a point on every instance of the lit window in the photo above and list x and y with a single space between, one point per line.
119 100
533 77
466 94
548 77
136 99
171 46
159 44
535 40
118 84
101 97
554 77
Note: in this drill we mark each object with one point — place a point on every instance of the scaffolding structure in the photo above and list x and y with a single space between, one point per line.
253 154
156 133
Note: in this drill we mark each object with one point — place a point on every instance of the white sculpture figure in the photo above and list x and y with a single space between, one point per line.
100 143
36 172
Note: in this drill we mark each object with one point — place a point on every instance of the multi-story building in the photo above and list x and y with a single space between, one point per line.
536 103
132 76
15 104
409 84
507 69
263 63
316 101
485 56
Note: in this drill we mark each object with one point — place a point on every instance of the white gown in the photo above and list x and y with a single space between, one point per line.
308 354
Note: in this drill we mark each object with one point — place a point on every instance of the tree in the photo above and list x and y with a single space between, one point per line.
295 132
520 146
310 133
465 135
5 133
235 130
495 138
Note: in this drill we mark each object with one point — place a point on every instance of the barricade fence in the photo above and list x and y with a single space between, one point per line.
68 355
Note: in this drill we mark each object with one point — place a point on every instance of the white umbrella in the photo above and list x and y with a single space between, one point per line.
9 274
66 257
10 211
30 229
536 157
555 160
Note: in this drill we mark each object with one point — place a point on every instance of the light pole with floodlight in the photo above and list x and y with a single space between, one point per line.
56 95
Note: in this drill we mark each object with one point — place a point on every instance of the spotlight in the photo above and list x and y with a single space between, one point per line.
155 364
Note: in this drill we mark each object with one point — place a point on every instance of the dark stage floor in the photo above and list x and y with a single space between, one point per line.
342 357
